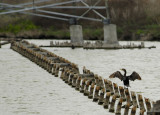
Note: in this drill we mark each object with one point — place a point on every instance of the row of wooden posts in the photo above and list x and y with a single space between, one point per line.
113 97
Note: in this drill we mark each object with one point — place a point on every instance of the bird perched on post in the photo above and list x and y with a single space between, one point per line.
125 78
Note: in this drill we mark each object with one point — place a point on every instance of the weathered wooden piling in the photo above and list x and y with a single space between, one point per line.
74 79
106 83
56 70
142 112
155 109
121 89
148 104
106 100
116 91
99 82
134 98
111 109
126 108
78 82
53 70
119 106
111 87
62 72
133 111
66 79
90 96
65 74
141 103
128 98
86 92
96 94
70 79
84 70
83 85
101 97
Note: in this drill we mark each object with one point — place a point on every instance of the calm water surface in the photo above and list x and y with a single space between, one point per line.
26 89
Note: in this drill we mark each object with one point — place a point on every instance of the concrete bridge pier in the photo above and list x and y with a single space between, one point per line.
110 35
76 33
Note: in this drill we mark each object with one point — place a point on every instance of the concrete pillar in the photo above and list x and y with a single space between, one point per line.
51 43
76 35
110 35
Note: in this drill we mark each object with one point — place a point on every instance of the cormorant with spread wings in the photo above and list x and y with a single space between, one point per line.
125 78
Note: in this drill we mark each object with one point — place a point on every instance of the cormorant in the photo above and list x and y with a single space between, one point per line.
125 78
72 46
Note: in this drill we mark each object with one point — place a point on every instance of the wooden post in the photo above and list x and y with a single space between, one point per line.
122 93
155 109
54 69
96 79
86 92
99 82
148 104
106 85
101 97
111 109
111 88
126 108
141 103
84 70
67 76
90 96
134 99
106 100
78 83
96 94
70 78
133 111
118 111
50 67
142 112
128 96
82 86
116 90
74 80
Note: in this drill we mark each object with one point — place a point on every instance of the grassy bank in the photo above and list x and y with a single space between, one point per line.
23 27
135 20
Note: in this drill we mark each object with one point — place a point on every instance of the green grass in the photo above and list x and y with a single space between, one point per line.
23 25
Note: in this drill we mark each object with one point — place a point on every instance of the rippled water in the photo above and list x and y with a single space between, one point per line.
26 89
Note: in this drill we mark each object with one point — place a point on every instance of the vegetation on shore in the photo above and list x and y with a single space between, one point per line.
135 20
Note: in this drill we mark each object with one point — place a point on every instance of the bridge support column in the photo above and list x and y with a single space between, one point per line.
110 35
76 35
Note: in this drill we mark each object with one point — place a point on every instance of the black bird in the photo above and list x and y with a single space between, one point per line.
73 47
125 78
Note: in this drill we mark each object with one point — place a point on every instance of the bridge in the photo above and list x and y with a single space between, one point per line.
47 9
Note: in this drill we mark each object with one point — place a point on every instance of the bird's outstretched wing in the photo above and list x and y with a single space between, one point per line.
116 74
134 76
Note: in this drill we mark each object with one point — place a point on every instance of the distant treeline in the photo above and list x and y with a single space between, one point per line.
135 20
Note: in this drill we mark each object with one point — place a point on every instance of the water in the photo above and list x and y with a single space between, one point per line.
26 89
